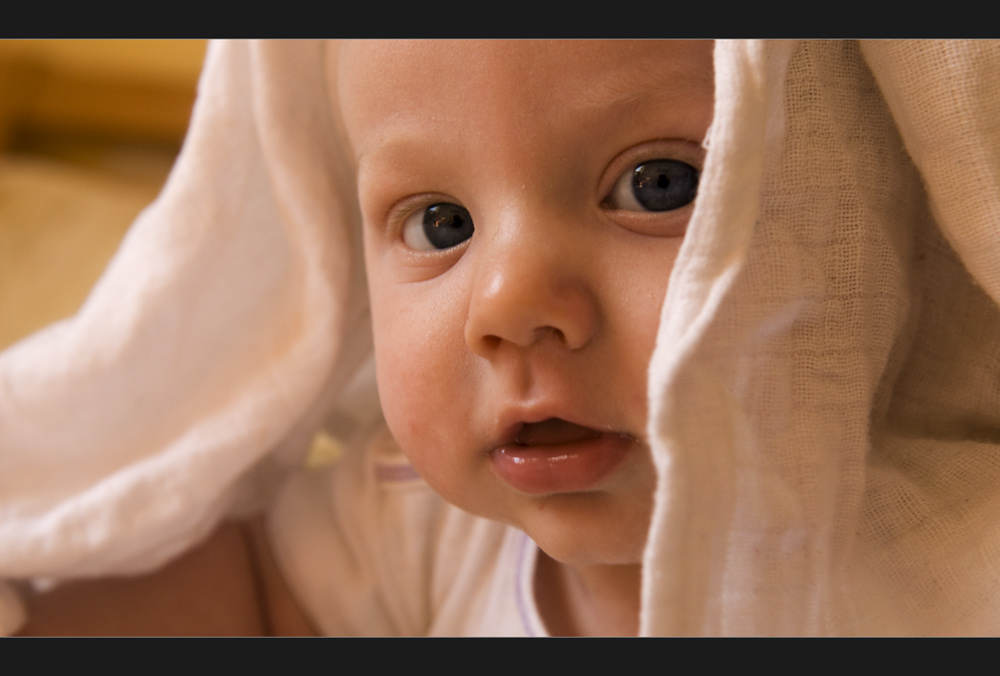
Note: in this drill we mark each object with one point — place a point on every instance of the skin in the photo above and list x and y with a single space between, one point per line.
551 308
227 586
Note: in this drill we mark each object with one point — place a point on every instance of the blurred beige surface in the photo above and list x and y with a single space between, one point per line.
88 132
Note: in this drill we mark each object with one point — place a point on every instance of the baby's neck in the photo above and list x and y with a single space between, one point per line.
587 600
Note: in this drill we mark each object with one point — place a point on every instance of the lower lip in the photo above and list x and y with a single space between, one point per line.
560 468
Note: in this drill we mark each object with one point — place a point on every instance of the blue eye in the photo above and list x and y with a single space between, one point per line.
655 185
439 226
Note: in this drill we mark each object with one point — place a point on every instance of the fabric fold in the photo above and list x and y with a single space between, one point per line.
125 430
810 415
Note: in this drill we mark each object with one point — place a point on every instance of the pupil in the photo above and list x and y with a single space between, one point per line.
447 225
662 185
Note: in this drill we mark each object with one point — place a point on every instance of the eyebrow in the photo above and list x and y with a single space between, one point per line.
402 143
680 84
404 137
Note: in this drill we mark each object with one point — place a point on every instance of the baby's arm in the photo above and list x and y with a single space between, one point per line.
227 586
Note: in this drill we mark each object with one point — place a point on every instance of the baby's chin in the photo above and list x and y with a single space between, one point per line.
564 529
576 554
581 541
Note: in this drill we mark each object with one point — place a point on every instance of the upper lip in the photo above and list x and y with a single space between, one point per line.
513 420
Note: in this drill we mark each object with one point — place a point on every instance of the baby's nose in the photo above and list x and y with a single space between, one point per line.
530 291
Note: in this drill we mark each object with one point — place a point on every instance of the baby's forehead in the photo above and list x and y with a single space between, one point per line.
391 82
539 62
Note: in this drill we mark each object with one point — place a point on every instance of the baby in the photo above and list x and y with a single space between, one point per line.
523 204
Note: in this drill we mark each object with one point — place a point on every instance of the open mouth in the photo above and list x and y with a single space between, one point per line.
556 456
553 432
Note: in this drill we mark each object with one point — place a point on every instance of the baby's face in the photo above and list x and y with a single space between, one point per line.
524 203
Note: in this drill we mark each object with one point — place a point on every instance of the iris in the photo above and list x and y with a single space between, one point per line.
447 225
662 185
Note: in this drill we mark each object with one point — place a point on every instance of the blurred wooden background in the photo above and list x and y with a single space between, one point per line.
88 132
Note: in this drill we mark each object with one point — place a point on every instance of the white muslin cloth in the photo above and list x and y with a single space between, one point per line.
825 391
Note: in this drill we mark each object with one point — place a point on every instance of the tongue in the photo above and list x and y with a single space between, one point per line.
552 432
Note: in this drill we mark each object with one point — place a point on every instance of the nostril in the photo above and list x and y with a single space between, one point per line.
549 332
491 342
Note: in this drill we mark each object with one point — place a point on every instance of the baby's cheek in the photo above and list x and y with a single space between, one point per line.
423 425
395 378
643 327
410 389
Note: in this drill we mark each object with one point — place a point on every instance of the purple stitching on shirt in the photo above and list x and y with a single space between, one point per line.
395 473
519 589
